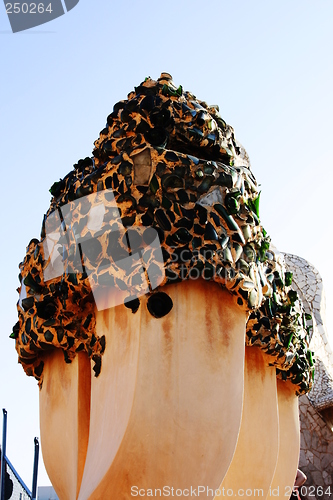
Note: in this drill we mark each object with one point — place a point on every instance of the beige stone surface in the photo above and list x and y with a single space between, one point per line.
167 407
253 464
64 404
289 441
168 402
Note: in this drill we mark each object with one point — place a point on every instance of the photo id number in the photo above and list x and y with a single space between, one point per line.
309 491
28 8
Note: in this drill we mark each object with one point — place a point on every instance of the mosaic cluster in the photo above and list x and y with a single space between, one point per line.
281 328
58 314
165 161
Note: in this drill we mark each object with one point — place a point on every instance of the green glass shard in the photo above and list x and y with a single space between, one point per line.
254 205
288 278
154 185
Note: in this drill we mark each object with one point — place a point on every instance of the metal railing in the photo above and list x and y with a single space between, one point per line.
20 490
12 486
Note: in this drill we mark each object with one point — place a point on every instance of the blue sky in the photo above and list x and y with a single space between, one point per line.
267 64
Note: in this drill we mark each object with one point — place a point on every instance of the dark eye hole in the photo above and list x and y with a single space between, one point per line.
159 304
132 304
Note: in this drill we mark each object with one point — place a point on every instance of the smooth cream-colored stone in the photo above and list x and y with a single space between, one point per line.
64 407
289 441
166 408
253 464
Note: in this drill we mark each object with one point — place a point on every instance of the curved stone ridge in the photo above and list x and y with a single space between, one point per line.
169 162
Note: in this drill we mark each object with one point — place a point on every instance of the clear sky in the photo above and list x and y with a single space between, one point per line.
268 64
